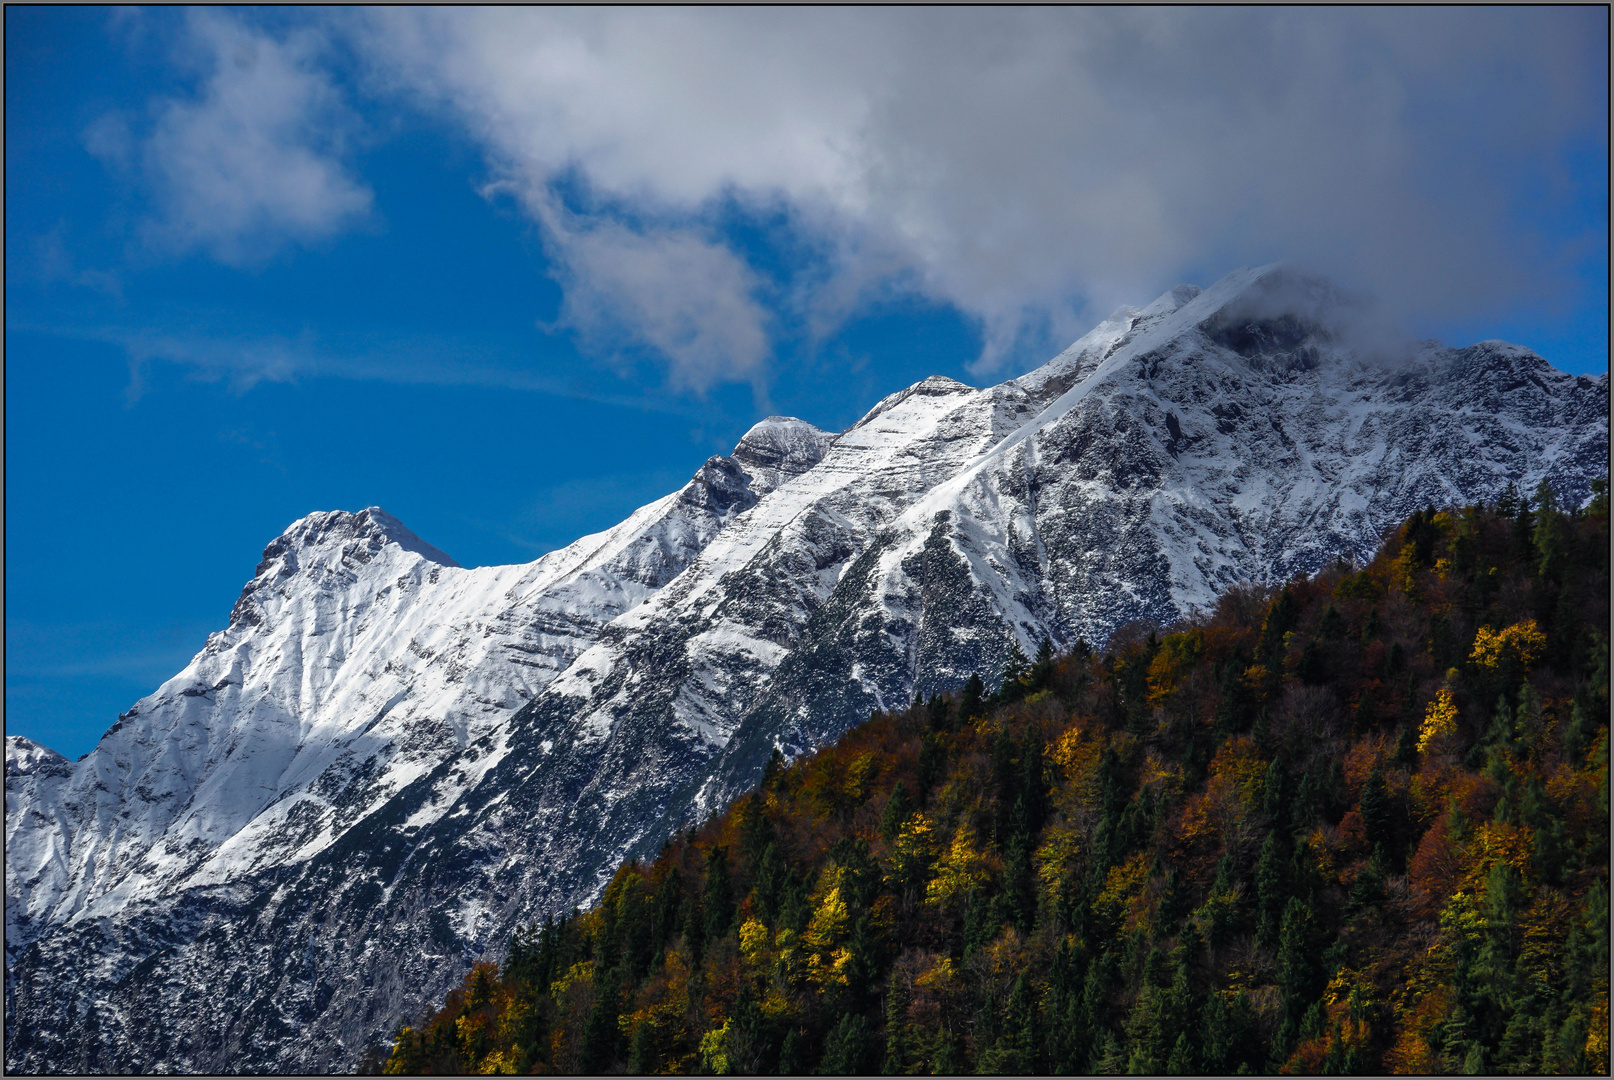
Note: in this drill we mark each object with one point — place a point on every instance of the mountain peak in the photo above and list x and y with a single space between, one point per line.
1170 300
326 541
336 529
24 756
1252 310
779 448
1273 308
930 386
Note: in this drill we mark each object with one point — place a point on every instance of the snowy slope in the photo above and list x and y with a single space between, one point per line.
358 658
387 761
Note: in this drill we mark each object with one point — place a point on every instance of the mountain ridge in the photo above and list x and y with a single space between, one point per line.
518 730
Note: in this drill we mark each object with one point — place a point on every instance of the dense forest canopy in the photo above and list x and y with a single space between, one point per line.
1355 824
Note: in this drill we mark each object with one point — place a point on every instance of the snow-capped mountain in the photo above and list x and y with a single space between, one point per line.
386 760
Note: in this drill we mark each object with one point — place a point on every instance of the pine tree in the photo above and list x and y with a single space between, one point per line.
756 831
694 930
1299 975
771 771
1271 889
1378 812
1018 901
1332 625
980 921
1006 783
642 1056
717 896
931 764
898 1045
1367 892
1280 620
1273 799
898 809
1042 667
601 1033
848 1049
768 884
969 705
1014 668
1181 1062
793 1059
1020 1042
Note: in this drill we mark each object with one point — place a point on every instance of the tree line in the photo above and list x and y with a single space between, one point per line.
1358 823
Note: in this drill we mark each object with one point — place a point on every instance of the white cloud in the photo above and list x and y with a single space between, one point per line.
687 297
1033 167
252 160
1029 166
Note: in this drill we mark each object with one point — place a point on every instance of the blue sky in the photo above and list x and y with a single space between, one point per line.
510 274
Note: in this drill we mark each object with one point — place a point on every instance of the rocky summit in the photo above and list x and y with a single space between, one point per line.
386 761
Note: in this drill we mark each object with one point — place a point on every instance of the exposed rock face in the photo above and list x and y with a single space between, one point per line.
386 761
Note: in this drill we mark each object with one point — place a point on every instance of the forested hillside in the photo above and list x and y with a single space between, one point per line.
1356 824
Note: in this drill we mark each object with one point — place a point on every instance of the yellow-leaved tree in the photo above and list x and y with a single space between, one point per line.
1440 716
962 869
1520 644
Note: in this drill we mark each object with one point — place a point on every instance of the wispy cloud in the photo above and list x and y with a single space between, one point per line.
242 360
252 159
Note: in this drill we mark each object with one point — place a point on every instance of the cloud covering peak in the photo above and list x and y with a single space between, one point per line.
1032 167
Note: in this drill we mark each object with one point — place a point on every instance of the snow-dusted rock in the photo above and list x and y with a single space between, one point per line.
386 761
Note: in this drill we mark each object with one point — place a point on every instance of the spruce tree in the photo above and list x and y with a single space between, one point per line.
898 1046
849 1048
717 896
898 809
1181 1062
1299 974
1378 812
969 705
1271 889
793 1059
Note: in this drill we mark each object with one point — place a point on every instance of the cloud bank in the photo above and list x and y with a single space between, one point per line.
1032 167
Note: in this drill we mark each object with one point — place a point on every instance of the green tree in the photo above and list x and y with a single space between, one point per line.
717 896
1042 666
1271 889
898 1042
1299 970
1232 1036
898 809
969 705
1016 1050
601 1033
1181 1062
1014 669
932 762
849 1049
793 1060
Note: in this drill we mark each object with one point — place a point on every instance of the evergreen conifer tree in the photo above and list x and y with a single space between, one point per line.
898 809
898 1046
848 1050
969 705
